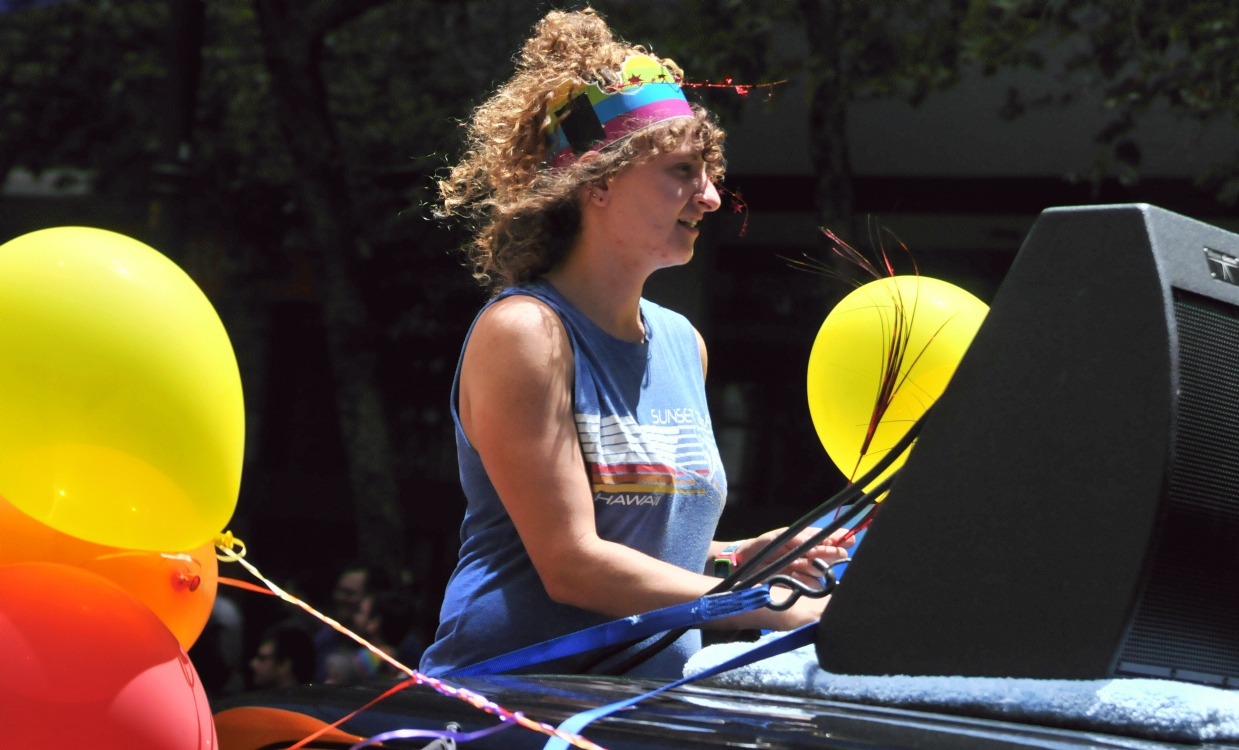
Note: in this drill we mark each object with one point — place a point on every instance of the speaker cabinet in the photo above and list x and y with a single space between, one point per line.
1071 509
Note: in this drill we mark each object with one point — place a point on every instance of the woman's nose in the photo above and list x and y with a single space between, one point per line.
708 198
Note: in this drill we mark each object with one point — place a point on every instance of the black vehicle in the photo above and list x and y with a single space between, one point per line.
692 716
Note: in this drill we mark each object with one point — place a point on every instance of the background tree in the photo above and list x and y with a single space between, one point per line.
81 86
293 36
1135 55
840 51
77 87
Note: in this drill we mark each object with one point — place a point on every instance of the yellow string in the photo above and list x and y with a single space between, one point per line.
226 544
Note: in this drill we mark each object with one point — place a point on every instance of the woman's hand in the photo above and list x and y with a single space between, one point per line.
831 550
804 612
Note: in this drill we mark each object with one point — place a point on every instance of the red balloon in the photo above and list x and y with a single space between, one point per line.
85 665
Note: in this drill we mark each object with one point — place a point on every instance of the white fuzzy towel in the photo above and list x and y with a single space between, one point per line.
1154 709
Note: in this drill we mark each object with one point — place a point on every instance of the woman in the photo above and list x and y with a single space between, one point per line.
593 482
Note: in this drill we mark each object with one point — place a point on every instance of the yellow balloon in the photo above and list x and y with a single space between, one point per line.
852 355
121 418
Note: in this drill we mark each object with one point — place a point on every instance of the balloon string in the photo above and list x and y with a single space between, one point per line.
245 585
335 724
226 543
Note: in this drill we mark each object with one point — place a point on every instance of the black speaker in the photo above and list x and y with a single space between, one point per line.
1071 508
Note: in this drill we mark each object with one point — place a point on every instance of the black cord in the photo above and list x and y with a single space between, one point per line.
849 494
861 506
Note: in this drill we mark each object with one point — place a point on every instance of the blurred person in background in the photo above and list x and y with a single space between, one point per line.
355 583
383 619
285 658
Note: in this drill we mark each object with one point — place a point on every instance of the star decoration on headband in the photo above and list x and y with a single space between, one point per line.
636 80
637 71
740 88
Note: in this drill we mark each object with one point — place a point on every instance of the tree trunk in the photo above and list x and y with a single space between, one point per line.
183 58
292 37
828 148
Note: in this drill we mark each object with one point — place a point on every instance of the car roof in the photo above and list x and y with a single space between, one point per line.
692 716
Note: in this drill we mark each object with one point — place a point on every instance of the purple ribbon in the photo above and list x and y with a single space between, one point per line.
442 734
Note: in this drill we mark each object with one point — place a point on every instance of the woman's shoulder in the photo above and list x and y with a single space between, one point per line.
520 326
516 372
518 312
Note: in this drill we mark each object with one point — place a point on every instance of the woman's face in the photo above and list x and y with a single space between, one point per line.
649 212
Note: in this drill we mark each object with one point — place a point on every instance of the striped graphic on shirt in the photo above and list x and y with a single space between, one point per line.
625 457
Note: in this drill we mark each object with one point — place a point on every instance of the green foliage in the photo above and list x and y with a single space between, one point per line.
873 48
82 85
242 176
841 51
1138 53
1185 55
401 79
77 83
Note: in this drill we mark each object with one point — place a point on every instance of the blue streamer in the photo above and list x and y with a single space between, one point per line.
632 628
793 640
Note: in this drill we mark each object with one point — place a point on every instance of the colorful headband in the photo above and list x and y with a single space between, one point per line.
594 117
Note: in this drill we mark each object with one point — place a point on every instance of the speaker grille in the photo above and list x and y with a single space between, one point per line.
1186 624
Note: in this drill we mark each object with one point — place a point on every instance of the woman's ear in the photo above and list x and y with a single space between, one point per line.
595 193
599 194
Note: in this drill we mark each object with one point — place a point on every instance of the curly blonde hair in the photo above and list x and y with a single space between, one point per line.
523 214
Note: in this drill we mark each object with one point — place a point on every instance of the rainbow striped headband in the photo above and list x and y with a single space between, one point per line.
593 118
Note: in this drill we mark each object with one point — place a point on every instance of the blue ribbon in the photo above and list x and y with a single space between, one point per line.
793 640
632 628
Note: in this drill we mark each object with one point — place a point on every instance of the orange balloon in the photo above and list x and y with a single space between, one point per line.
87 666
178 587
256 727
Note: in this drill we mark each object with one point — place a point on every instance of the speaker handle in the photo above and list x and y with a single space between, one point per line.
800 588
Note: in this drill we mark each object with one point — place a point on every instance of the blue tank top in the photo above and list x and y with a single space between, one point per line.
658 487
